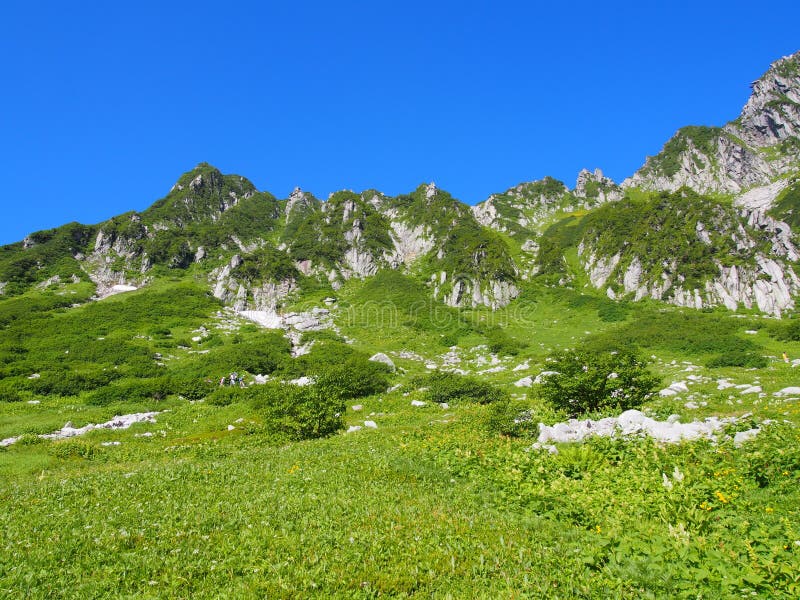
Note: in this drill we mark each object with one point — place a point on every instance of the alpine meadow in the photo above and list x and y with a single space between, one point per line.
587 392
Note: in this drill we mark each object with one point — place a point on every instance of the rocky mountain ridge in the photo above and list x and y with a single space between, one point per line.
707 221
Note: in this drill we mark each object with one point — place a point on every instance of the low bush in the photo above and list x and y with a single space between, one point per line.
131 390
585 381
451 388
501 343
300 412
192 388
226 395
511 417
356 378
72 449
738 358
786 331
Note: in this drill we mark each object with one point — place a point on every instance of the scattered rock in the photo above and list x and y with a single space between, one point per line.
753 389
524 382
630 422
380 357
724 384
68 431
357 407
418 403
370 424
544 374
788 391
740 437
678 387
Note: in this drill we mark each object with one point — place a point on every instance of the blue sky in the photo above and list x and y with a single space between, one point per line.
104 105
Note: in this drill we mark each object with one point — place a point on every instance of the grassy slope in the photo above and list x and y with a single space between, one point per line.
431 503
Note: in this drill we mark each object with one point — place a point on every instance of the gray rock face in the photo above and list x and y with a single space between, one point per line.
471 292
597 186
298 200
729 168
409 242
382 358
732 159
241 295
772 114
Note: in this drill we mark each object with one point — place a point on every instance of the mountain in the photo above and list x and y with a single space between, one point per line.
707 221
755 149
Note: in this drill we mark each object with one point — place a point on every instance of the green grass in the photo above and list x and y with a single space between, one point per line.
431 504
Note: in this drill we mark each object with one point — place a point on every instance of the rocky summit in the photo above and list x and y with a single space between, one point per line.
708 221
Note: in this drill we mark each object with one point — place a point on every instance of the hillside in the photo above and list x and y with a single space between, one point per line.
556 393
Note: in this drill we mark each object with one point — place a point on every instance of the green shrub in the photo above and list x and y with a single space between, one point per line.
8 391
301 412
611 312
323 356
226 395
29 439
511 417
69 383
192 388
131 390
680 332
451 387
592 381
501 343
786 331
72 449
356 378
737 358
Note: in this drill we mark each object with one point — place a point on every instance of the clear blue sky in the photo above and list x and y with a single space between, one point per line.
104 104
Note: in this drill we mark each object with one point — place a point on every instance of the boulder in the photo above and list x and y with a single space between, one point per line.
380 357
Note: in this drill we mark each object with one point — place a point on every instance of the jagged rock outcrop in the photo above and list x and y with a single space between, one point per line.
472 292
772 113
707 160
298 202
759 146
244 295
596 186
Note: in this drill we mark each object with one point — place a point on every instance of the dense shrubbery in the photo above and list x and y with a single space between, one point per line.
738 358
786 331
443 386
225 395
501 343
511 417
680 332
355 378
131 390
301 412
592 381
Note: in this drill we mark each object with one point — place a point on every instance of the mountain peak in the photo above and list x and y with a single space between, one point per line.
772 114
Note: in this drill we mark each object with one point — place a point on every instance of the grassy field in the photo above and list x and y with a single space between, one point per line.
211 501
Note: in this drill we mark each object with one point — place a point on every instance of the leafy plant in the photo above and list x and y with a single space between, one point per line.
443 386
584 381
301 412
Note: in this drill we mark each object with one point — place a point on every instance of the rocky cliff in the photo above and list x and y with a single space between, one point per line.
707 221
753 150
